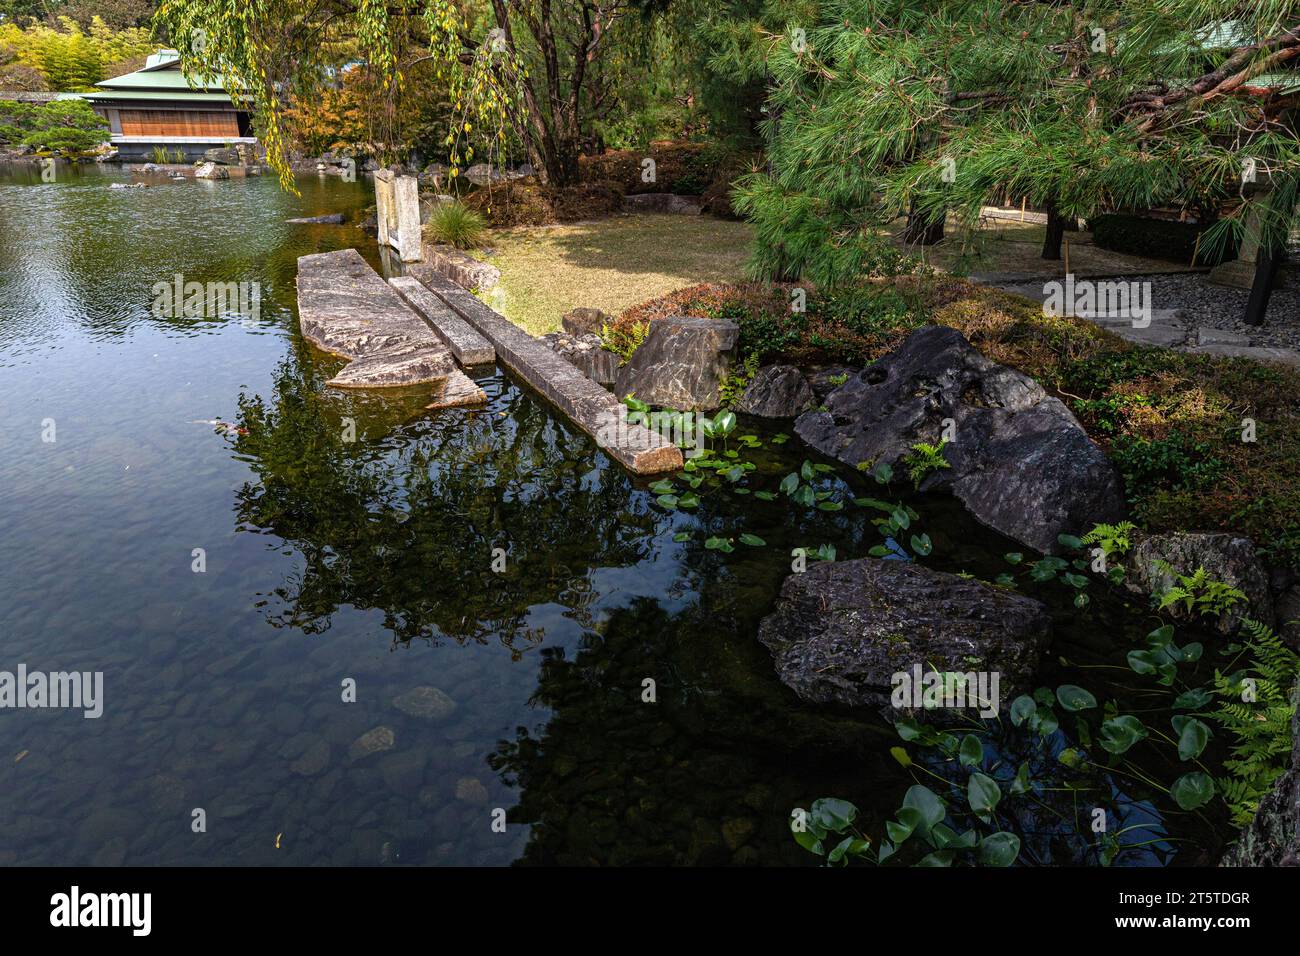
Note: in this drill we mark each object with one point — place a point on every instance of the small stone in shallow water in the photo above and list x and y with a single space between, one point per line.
314 760
471 790
427 702
372 742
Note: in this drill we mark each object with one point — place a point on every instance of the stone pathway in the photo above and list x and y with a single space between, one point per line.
1194 315
345 308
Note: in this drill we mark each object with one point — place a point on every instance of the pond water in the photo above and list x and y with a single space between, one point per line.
368 563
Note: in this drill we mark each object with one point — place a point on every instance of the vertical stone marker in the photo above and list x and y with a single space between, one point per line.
397 207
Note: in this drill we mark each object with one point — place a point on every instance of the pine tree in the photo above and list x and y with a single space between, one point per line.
878 107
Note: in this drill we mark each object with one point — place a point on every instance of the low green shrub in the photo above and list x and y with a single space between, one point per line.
454 224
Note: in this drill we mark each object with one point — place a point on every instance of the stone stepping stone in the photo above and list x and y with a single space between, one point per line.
346 308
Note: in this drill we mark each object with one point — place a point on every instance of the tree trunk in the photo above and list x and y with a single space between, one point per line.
1267 261
1055 233
920 231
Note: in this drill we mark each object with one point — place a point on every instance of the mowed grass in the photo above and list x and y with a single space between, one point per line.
610 264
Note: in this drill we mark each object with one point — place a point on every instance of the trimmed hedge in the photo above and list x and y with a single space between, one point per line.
1156 239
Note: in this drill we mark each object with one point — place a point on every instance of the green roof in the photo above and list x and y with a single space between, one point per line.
158 79
181 96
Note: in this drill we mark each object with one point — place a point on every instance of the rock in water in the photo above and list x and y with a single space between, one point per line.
427 702
681 364
778 391
841 630
210 171
1156 560
222 156
372 742
331 219
471 790
1020 462
314 760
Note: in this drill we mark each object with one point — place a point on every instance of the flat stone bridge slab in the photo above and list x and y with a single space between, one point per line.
465 343
590 407
346 308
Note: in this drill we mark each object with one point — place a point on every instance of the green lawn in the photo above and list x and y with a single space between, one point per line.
609 264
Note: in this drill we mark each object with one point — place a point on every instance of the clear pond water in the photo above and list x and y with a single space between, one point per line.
329 562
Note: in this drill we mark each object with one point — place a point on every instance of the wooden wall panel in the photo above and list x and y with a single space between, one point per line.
180 123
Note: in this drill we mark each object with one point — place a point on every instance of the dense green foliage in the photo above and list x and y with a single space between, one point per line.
66 127
881 106
71 59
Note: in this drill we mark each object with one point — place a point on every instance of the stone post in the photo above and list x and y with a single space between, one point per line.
397 207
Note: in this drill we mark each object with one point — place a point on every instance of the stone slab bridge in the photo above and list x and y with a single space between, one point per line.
413 331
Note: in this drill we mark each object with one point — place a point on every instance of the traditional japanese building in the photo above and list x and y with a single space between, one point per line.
156 107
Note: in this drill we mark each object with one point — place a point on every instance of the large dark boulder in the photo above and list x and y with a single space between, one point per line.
777 391
841 630
1156 561
1273 837
681 364
1020 462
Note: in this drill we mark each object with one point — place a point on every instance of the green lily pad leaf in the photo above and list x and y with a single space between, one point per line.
833 813
789 483
753 540
1070 757
1142 662
937 858
972 751
1193 735
667 501
1044 721
1120 733
830 506
1014 557
921 544
1192 790
807 471
1022 708
718 544
1193 699
689 500
1021 783
883 473
682 536
1074 699
662 487
983 793
765 495
899 831
1070 542
927 803
804 496
999 849
902 756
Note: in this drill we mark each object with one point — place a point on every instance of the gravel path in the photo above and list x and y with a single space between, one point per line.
1194 314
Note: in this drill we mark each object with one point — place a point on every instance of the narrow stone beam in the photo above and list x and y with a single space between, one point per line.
594 410
467 345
